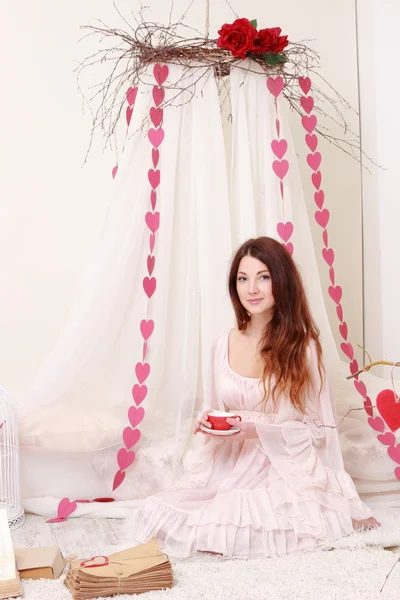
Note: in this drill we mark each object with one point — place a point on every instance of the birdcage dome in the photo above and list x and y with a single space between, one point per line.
9 462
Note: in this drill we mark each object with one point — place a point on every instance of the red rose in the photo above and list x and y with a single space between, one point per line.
270 40
238 37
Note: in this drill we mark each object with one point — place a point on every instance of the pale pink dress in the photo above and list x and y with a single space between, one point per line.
285 492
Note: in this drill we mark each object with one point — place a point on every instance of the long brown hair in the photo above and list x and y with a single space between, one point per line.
288 335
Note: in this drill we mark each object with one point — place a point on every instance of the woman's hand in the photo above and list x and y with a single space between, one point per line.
248 431
202 420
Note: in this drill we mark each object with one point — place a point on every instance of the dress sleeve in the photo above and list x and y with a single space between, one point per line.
304 450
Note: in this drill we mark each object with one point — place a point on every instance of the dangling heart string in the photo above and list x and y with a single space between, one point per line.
131 95
322 215
280 165
131 433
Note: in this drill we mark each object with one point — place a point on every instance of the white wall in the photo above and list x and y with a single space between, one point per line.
52 209
379 52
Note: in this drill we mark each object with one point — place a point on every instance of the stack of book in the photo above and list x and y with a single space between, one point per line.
10 582
133 571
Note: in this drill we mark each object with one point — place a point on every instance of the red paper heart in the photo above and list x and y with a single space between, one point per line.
66 508
394 453
305 84
156 137
142 371
312 141
389 408
353 366
316 179
343 330
118 479
388 438
309 122
347 349
131 94
285 230
150 264
139 393
279 148
280 168
135 415
377 424
329 256
152 221
322 217
156 116
335 293
307 103
146 328
319 198
160 73
314 161
149 286
158 95
275 85
130 437
368 407
154 178
95 561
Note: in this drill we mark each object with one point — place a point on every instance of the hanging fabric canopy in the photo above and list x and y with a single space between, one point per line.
216 188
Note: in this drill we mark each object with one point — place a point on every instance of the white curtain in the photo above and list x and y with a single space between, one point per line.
217 189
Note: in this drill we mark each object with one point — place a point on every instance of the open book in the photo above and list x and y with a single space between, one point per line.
10 583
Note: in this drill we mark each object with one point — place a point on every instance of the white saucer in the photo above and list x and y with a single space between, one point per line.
220 431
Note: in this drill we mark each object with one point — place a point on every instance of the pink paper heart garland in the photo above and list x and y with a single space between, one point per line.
131 434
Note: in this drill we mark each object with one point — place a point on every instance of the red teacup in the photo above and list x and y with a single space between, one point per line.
218 418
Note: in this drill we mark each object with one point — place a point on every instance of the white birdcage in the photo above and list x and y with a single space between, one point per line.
9 462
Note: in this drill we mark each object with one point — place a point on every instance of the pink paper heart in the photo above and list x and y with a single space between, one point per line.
361 388
150 264
368 407
279 148
377 424
394 453
125 458
118 479
307 103
155 155
388 438
389 408
329 256
129 111
154 178
285 230
289 247
316 179
353 366
160 73
130 437
305 84
339 312
322 217
142 371
158 95
135 415
343 330
319 198
139 393
275 85
153 221
312 141
309 122
131 94
397 473
278 127
156 116
56 520
325 238
314 160
149 286
66 508
114 171
146 328
153 198
332 275
347 349
280 168
156 137
152 241
335 293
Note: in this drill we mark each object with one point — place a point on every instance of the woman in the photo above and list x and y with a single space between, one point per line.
278 485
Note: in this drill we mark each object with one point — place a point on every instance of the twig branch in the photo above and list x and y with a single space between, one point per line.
374 364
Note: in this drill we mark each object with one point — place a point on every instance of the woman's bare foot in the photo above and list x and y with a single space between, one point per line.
365 524
210 552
